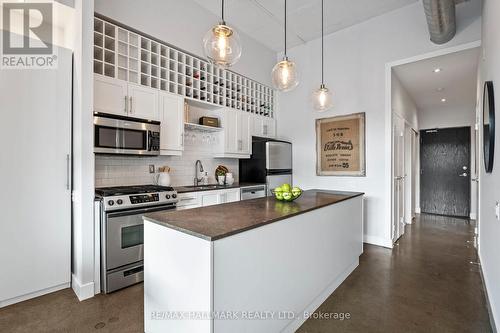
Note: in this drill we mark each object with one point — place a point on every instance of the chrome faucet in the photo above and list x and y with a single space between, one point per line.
197 171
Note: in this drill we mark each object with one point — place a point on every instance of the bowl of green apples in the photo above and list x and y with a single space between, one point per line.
286 192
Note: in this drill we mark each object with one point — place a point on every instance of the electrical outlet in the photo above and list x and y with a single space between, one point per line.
151 168
497 211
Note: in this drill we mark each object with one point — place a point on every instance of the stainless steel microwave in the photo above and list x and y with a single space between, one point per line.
115 134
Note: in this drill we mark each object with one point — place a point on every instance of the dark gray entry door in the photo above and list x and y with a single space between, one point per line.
445 171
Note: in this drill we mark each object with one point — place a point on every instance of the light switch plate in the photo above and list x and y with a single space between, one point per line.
151 168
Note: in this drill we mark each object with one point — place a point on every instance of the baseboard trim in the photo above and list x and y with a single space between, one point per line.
84 291
379 241
28 296
314 305
489 305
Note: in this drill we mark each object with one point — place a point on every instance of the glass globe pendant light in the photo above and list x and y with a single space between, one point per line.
222 45
322 98
284 75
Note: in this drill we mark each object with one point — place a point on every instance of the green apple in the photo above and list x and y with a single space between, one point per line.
296 192
278 195
286 188
287 196
278 189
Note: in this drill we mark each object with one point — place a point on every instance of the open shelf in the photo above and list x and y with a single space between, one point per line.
128 55
203 128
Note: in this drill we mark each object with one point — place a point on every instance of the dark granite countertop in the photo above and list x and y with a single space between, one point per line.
213 187
219 221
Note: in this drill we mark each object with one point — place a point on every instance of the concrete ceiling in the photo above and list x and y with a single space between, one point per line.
263 19
456 82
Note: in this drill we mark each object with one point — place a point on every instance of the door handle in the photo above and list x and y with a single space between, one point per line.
67 171
126 104
463 174
130 98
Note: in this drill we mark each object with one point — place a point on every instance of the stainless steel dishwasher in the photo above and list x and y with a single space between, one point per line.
252 192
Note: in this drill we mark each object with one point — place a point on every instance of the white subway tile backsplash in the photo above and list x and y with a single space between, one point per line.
114 170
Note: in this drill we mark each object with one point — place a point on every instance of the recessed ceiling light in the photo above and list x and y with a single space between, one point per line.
443 100
440 89
437 70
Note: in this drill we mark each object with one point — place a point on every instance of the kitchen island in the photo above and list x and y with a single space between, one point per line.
259 265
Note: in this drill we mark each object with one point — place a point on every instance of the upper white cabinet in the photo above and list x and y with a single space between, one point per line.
263 126
143 102
244 137
123 98
172 124
110 95
237 141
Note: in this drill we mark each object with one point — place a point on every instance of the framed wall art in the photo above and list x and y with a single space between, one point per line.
340 146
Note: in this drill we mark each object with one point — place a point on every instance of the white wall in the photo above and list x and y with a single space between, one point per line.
355 60
83 156
183 24
447 117
489 227
402 103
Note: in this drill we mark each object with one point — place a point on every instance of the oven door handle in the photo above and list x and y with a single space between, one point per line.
139 211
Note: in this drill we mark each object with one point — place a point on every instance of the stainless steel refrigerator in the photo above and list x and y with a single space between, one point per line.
270 163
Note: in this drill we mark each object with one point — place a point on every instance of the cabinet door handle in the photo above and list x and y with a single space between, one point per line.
131 110
126 104
265 129
182 139
68 171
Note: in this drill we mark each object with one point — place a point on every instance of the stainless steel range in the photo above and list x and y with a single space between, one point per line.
122 230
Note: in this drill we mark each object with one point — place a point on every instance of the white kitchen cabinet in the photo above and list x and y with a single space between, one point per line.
125 99
263 126
232 195
269 127
172 124
110 95
143 102
188 200
243 137
230 131
211 198
237 127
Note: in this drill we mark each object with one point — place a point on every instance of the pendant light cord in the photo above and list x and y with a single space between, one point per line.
223 21
285 30
322 46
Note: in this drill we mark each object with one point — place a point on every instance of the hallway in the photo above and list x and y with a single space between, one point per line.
426 284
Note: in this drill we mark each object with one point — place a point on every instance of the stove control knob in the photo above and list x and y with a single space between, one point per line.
167 196
174 195
119 201
111 202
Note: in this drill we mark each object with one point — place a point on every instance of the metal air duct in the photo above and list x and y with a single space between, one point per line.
440 15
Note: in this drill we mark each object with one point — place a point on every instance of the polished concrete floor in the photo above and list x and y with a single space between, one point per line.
426 284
